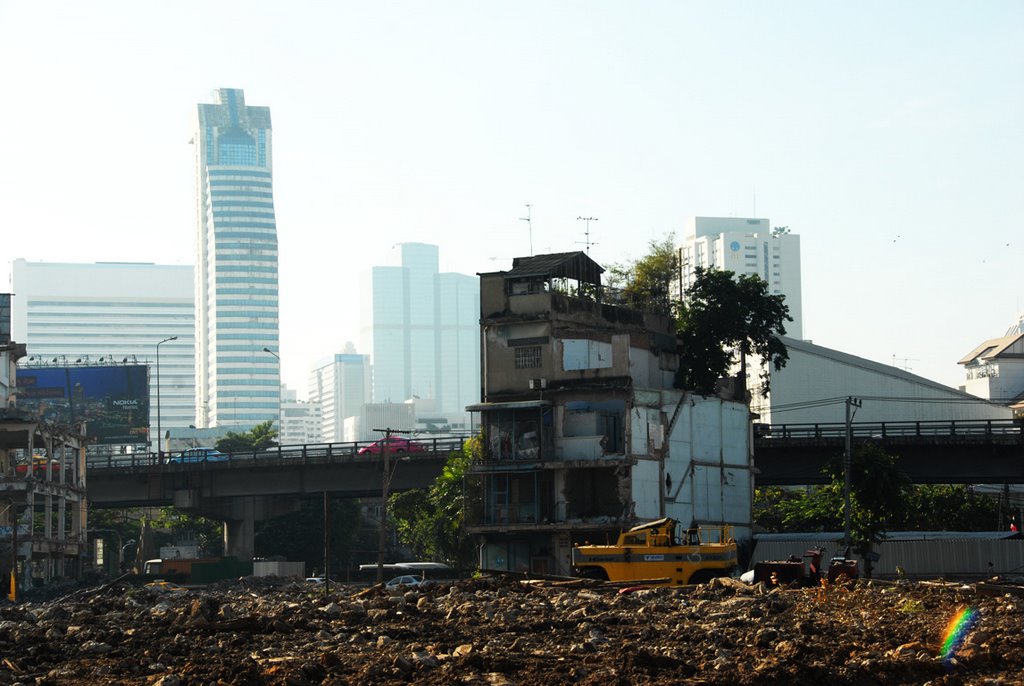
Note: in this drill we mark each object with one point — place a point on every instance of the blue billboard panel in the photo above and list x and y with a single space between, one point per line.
112 401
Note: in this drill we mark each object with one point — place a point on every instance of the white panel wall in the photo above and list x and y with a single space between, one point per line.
647 489
708 463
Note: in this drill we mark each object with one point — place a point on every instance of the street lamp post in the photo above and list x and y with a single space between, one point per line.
159 435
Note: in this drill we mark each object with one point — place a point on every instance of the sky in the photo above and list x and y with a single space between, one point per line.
889 136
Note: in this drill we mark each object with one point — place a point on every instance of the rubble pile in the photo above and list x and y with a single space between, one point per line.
500 632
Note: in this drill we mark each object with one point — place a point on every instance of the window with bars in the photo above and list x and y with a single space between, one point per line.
528 357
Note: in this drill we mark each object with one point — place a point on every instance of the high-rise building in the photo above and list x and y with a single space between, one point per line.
422 328
236 296
112 313
300 420
458 342
341 386
747 246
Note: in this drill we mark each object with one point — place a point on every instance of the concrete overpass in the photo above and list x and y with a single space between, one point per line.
248 487
962 452
243 488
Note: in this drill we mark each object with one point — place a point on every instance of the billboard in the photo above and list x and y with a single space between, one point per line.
113 401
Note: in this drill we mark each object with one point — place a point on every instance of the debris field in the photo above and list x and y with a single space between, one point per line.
499 632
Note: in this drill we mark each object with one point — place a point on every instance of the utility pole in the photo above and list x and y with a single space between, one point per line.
851 404
587 231
327 546
529 223
385 485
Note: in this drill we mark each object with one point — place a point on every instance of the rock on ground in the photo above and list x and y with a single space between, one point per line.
499 632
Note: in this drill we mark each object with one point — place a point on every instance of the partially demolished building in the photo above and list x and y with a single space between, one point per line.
584 432
42 487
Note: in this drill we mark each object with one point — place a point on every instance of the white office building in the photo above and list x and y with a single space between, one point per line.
746 246
236 288
300 420
340 385
422 328
112 313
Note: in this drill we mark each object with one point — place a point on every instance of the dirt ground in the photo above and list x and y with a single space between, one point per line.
499 632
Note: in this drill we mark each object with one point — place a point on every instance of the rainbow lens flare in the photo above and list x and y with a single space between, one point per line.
957 629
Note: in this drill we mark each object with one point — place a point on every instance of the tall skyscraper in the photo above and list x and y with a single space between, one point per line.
236 296
422 328
747 246
84 313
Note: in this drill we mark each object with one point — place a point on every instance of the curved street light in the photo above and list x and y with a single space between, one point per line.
159 434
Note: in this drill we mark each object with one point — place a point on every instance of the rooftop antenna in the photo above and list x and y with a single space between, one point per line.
587 232
529 223
904 366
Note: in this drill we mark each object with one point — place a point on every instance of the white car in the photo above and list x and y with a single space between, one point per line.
406 580
315 579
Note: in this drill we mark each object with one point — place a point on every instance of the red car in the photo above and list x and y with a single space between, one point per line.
395 444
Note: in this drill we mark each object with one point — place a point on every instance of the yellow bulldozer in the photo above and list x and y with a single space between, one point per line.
660 553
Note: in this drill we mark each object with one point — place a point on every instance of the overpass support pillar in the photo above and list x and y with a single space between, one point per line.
240 528
240 515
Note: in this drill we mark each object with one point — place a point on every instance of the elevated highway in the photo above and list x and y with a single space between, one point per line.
243 488
960 452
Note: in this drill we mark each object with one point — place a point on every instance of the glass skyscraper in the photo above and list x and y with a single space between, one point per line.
237 382
423 329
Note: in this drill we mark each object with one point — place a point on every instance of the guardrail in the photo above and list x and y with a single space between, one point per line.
319 452
882 430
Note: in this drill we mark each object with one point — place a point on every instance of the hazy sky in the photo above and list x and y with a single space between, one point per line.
890 136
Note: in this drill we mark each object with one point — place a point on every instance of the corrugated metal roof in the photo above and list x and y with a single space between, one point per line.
871 365
571 265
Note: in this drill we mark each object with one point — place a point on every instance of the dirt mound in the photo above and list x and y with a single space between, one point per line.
499 632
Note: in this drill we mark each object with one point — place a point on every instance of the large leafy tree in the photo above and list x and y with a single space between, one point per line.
259 437
431 521
647 283
724 320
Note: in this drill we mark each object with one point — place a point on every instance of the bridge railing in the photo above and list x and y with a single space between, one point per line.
883 430
305 452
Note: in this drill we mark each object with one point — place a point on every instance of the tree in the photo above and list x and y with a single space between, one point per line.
259 437
431 521
171 525
879 496
950 507
724 317
300 535
646 284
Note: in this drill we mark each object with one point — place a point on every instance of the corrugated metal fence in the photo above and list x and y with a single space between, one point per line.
965 558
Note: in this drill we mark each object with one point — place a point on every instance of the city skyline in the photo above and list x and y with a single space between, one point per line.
896 164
